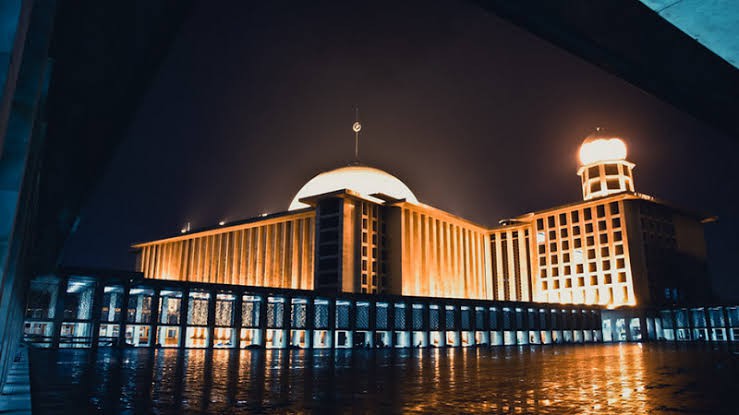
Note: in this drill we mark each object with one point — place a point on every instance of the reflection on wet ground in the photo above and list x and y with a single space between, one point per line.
588 379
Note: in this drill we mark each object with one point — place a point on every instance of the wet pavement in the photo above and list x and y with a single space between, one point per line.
577 379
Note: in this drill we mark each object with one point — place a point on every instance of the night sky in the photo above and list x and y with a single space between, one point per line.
475 115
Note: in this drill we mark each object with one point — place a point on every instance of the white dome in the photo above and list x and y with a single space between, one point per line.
599 149
361 179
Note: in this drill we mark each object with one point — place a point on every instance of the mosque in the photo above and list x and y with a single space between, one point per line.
357 261
358 229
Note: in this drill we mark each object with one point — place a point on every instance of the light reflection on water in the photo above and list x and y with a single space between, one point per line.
593 379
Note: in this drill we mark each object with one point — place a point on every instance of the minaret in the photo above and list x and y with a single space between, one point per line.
604 169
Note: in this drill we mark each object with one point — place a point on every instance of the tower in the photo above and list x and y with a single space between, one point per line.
604 169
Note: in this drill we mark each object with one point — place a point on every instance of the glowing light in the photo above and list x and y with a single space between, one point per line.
221 223
361 179
602 149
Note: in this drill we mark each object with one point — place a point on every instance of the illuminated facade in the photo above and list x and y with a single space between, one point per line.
358 229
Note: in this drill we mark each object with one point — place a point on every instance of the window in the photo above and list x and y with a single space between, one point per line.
620 263
568 270
617 236
554 259
588 213
602 225
611 169
579 268
601 211
540 223
364 237
604 238
364 279
619 249
593 172
589 227
565 257
613 184
592 267
552 235
553 247
575 216
563 232
606 265
604 251
590 241
562 219
565 244
616 222
550 221
614 208
364 265
374 280
576 230
594 187
542 249
591 253
578 243
608 279
364 251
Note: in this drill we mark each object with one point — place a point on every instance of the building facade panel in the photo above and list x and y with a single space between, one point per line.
272 253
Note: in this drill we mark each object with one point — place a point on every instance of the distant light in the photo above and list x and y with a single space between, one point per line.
183 230
223 222
263 214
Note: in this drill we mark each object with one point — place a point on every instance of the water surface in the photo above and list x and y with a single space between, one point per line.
587 379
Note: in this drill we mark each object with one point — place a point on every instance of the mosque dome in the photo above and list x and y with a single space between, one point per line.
361 179
599 147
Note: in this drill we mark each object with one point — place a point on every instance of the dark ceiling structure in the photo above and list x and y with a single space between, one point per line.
631 41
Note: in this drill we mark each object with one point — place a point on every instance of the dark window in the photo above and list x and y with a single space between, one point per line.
553 247
613 184
540 223
617 236
589 227
594 187
566 257
616 222
575 216
602 225
550 221
364 278
619 249
611 169
565 244
588 213
542 249
604 238
593 172
576 230
578 243
601 211
562 219
590 241
563 232
614 208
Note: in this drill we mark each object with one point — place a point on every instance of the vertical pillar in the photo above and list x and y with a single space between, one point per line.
123 317
709 325
286 320
372 320
154 324
211 321
727 326
262 326
237 320
673 318
184 306
59 311
96 310
332 322
309 322
352 321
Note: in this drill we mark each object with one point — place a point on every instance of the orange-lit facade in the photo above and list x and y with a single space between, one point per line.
614 248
